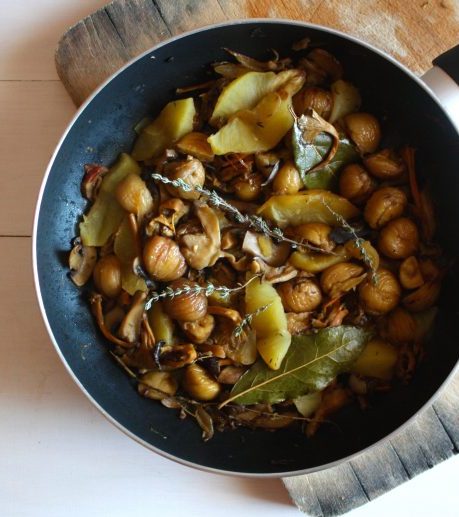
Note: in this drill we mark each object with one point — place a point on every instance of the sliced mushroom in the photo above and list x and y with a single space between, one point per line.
198 331
96 308
262 246
231 314
241 349
202 249
82 260
129 329
170 213
177 356
298 322
92 179
273 275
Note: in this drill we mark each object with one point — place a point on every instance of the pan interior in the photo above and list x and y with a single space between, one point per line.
105 128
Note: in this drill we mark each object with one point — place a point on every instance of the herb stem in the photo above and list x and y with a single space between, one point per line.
254 222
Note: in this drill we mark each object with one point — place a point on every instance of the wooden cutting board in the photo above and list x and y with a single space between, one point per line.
414 32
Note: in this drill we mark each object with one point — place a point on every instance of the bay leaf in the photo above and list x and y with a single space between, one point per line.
308 155
311 363
327 177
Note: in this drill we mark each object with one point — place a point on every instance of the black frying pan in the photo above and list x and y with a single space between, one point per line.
104 127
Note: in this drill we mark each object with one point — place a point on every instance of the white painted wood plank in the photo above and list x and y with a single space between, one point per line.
59 456
33 115
29 32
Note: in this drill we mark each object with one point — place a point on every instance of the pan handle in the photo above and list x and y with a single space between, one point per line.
443 80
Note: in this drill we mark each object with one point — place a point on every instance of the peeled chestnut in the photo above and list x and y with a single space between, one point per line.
355 183
317 234
379 294
191 172
189 306
340 278
364 131
385 204
326 62
199 384
311 97
399 238
287 180
410 273
107 276
199 331
384 164
300 295
400 326
163 259
133 195
163 385
364 251
248 189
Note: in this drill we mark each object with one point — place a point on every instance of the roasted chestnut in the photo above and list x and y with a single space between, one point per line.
385 204
199 383
191 171
385 164
248 189
400 326
364 131
340 278
107 276
317 234
157 385
355 183
189 306
380 294
399 239
311 97
199 330
133 195
287 180
163 259
301 295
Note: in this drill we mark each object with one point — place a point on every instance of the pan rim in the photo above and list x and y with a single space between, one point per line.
67 366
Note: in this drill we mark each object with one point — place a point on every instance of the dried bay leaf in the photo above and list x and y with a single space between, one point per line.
311 363
319 152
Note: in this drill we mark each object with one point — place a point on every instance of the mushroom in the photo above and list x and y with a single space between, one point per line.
129 330
225 312
262 246
273 275
96 308
93 175
298 322
170 212
202 249
82 260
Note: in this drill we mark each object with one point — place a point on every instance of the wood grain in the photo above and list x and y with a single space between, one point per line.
84 60
403 29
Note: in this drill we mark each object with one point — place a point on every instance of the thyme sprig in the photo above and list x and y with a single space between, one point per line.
247 320
359 242
254 222
206 289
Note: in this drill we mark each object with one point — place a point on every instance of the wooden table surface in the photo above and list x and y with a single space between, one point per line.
58 454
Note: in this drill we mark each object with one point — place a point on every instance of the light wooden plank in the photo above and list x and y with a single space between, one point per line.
55 445
32 117
326 493
29 35
446 408
84 60
184 15
379 470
